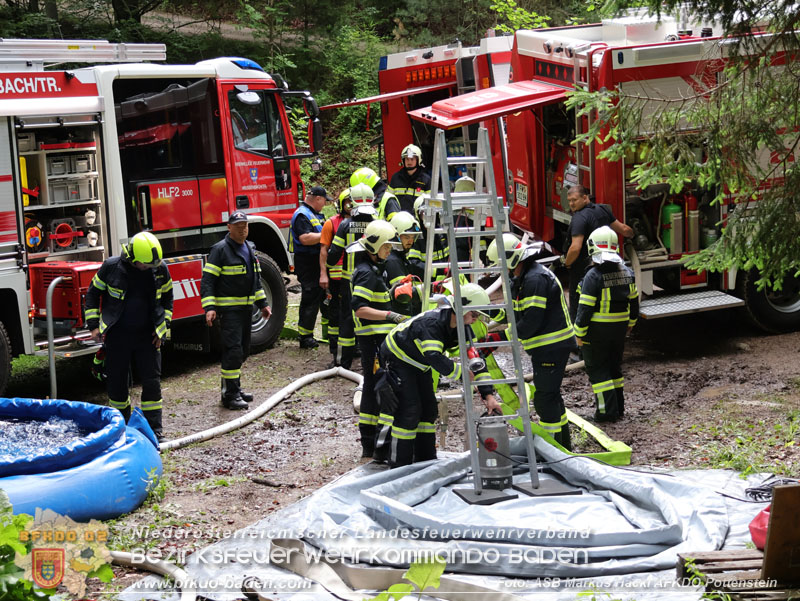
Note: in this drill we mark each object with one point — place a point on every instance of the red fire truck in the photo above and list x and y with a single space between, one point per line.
91 156
645 57
417 78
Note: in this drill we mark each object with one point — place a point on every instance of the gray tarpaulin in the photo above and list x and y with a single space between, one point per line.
622 534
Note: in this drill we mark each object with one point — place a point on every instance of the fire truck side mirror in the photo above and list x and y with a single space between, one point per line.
310 106
315 134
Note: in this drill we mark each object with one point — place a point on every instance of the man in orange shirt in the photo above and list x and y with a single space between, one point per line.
330 278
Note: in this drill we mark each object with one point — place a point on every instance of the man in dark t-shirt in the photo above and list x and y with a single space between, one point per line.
586 218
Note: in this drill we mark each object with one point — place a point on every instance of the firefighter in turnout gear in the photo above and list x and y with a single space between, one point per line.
410 352
399 270
135 293
304 242
350 230
607 311
441 250
410 182
373 317
386 203
230 286
543 327
330 278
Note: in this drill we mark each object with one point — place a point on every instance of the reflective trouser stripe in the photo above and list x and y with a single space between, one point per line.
333 330
120 404
385 419
619 382
564 420
151 405
304 331
367 419
550 427
347 341
230 374
603 386
403 434
426 428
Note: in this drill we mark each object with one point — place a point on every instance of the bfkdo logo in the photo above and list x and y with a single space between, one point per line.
57 551
48 567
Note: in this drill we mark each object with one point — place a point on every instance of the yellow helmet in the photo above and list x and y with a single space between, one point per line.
365 175
405 224
378 233
472 295
464 184
144 248
515 251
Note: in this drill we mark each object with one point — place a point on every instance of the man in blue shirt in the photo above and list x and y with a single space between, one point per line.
304 243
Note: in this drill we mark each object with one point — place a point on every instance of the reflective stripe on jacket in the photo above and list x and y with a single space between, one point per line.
110 284
227 282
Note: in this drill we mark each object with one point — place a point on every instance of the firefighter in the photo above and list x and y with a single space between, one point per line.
373 316
129 307
441 250
410 182
330 278
607 311
386 203
464 218
410 352
230 286
543 327
400 272
586 217
304 242
350 230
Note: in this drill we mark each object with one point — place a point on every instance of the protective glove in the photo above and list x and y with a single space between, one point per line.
403 291
395 317
491 337
438 287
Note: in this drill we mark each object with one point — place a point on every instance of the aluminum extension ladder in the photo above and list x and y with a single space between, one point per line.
445 204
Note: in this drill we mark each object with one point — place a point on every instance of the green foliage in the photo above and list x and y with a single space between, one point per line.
421 574
511 17
13 587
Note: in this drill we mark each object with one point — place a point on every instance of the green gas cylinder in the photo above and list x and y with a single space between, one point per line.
666 222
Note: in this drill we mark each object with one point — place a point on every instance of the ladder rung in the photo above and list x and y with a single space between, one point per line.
498 381
499 343
468 270
466 200
462 265
583 167
466 161
465 232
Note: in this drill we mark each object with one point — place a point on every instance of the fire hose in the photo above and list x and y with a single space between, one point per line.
161 567
262 409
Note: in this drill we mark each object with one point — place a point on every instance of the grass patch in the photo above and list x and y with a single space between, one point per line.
751 447
213 483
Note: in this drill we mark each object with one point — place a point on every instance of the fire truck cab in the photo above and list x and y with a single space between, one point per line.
91 156
646 57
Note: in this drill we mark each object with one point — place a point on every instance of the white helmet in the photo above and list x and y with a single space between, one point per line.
410 152
464 184
471 295
362 197
405 224
515 251
378 233
603 245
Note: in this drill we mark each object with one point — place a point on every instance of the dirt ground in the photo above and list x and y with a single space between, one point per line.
701 390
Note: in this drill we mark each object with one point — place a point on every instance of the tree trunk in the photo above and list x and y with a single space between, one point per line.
50 9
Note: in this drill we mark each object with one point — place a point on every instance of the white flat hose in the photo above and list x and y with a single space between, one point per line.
263 408
161 567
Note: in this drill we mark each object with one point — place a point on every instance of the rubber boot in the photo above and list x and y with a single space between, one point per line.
153 418
563 437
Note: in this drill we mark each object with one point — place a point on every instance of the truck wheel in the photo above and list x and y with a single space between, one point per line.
771 310
265 332
5 359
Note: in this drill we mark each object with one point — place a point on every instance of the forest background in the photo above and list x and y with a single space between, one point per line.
329 47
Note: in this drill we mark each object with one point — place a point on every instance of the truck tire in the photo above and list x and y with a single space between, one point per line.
772 311
265 332
5 359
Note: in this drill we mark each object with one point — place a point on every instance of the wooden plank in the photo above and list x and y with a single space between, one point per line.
726 566
721 579
723 555
782 550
